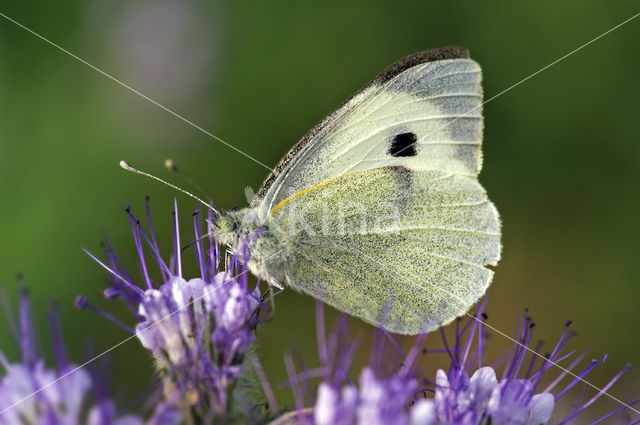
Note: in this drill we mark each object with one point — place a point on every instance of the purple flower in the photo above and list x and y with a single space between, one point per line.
198 330
30 393
471 400
468 393
376 402
383 401
335 406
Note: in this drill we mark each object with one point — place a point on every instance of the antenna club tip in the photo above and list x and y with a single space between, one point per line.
168 163
126 166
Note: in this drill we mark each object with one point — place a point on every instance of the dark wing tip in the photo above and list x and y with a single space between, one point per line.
452 52
449 52
432 55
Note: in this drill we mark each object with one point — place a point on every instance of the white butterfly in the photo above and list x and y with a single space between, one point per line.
377 210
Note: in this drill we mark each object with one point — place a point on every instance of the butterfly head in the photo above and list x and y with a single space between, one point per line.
232 227
225 223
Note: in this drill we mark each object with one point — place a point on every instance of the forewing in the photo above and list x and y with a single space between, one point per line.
406 249
424 113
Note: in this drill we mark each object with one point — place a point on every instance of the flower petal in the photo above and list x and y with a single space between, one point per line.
541 409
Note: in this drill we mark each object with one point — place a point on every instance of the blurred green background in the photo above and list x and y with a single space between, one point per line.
561 150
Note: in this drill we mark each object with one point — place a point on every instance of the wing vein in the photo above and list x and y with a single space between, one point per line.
406 279
354 287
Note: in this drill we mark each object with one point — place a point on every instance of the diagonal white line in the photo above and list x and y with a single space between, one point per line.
553 363
593 40
114 79
255 160
77 368
74 370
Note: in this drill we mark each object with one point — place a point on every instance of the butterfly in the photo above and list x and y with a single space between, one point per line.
377 210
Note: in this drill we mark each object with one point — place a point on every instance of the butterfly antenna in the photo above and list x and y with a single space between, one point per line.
171 166
126 166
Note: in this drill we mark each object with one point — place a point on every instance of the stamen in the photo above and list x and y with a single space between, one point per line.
114 273
541 372
626 406
177 238
153 243
295 388
377 349
394 343
524 349
345 376
515 349
379 336
457 346
341 349
533 359
321 338
196 226
112 293
559 346
266 387
482 317
446 346
565 372
27 338
135 230
604 389
349 355
214 248
155 254
82 303
304 376
413 353
467 348
56 336
582 374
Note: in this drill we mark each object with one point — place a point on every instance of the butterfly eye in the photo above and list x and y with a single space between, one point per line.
403 144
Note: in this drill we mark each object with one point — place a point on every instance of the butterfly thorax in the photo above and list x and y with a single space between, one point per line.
249 237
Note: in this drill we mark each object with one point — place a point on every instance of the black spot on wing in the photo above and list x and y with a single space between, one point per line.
452 52
403 145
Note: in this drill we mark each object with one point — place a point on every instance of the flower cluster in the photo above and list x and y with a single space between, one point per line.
454 398
377 401
198 330
31 393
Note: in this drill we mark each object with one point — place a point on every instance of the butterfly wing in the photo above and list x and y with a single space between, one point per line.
404 153
423 112
402 248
